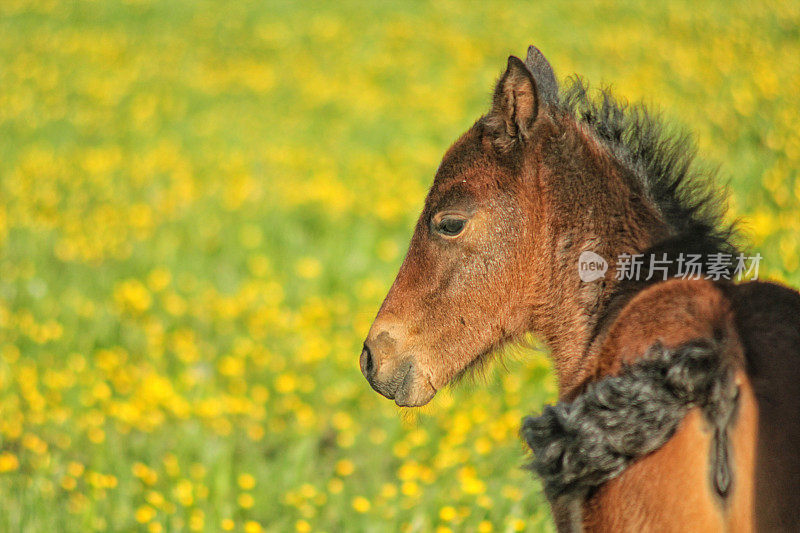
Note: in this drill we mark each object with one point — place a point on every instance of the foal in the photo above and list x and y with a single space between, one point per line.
679 395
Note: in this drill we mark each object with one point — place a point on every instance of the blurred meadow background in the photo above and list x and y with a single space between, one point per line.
203 203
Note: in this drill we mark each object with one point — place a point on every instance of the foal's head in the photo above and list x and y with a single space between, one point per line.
494 254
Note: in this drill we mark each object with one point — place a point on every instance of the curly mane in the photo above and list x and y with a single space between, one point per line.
663 159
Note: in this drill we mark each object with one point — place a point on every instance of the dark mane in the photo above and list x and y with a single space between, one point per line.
662 158
664 161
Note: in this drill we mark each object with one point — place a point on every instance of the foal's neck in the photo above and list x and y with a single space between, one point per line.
610 214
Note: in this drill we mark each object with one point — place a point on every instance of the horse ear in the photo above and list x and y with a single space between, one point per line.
515 100
543 74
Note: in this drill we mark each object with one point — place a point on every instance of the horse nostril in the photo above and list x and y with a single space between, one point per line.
367 363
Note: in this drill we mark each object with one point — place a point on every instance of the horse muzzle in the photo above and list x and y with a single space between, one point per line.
396 378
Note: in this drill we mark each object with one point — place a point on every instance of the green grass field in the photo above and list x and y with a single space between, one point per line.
203 203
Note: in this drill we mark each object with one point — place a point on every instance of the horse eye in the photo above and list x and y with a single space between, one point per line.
451 226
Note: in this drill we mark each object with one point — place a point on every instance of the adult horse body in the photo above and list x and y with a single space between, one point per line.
679 398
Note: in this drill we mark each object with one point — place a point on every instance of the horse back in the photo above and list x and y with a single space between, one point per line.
754 328
767 317
671 489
